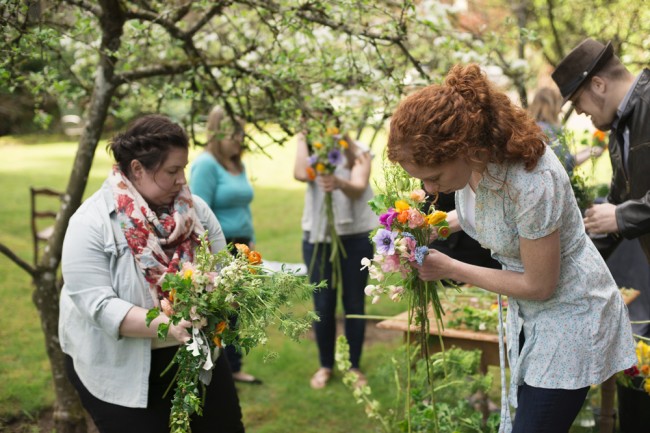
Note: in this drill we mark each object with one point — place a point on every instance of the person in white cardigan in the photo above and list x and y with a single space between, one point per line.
351 191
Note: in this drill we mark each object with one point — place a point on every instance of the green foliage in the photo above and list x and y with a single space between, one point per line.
419 406
476 319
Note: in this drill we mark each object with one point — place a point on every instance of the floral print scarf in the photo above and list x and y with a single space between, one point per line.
161 241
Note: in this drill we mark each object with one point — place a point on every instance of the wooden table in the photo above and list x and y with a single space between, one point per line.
488 343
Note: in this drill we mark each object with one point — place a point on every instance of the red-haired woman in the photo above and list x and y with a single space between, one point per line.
567 325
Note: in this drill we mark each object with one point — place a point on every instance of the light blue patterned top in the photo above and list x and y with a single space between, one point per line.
581 335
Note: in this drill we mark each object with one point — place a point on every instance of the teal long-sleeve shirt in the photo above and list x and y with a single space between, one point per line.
228 195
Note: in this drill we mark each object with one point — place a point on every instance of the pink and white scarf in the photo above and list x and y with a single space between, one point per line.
159 242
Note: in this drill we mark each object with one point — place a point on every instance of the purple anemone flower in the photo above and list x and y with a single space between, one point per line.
385 242
313 159
387 218
334 156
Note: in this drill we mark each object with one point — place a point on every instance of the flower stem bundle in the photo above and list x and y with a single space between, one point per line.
207 292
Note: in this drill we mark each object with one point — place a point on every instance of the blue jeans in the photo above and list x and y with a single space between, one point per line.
542 410
354 281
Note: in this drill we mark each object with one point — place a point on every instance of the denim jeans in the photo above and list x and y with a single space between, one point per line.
353 298
542 410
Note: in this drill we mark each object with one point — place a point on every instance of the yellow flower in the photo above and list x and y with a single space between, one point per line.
401 205
332 130
320 167
318 145
172 294
436 217
188 273
646 386
343 144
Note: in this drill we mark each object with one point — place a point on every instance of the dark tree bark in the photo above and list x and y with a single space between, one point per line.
68 413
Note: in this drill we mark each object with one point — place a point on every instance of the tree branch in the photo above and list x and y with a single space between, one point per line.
556 36
160 70
17 260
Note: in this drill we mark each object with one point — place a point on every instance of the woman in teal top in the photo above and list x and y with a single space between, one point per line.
218 176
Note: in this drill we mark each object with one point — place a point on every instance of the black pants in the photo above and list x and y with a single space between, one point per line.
353 296
221 412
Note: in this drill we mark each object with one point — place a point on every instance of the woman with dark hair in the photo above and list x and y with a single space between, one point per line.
567 324
140 225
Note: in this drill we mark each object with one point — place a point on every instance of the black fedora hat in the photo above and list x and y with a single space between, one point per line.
581 63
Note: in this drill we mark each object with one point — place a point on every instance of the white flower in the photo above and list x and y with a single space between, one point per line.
482 326
365 262
370 290
376 273
375 299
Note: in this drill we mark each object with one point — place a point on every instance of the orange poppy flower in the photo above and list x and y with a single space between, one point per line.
311 173
254 258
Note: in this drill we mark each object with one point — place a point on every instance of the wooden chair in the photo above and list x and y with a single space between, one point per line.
42 233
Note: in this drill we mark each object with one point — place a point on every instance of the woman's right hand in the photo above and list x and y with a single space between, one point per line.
180 332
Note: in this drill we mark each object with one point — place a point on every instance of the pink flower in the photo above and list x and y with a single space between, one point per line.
406 247
391 264
418 195
415 218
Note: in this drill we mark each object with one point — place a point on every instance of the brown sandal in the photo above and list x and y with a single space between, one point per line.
320 378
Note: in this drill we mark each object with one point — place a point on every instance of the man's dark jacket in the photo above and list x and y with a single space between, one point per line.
630 188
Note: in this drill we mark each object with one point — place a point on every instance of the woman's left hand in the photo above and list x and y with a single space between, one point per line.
436 266
327 182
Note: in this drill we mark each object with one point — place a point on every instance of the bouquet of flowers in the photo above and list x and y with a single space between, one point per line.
638 376
207 292
326 156
407 227
403 239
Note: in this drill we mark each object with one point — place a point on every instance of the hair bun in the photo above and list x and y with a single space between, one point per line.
470 83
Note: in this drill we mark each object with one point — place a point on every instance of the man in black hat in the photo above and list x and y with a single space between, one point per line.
598 85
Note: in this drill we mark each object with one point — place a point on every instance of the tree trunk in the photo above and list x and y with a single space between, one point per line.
68 413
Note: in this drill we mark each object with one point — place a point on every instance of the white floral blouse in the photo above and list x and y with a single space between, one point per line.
581 335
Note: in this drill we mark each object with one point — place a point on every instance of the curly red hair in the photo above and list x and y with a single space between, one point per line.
465 114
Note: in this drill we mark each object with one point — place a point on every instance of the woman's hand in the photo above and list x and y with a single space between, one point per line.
436 266
180 332
327 182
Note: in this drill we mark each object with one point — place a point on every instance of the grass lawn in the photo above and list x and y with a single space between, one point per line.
285 402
